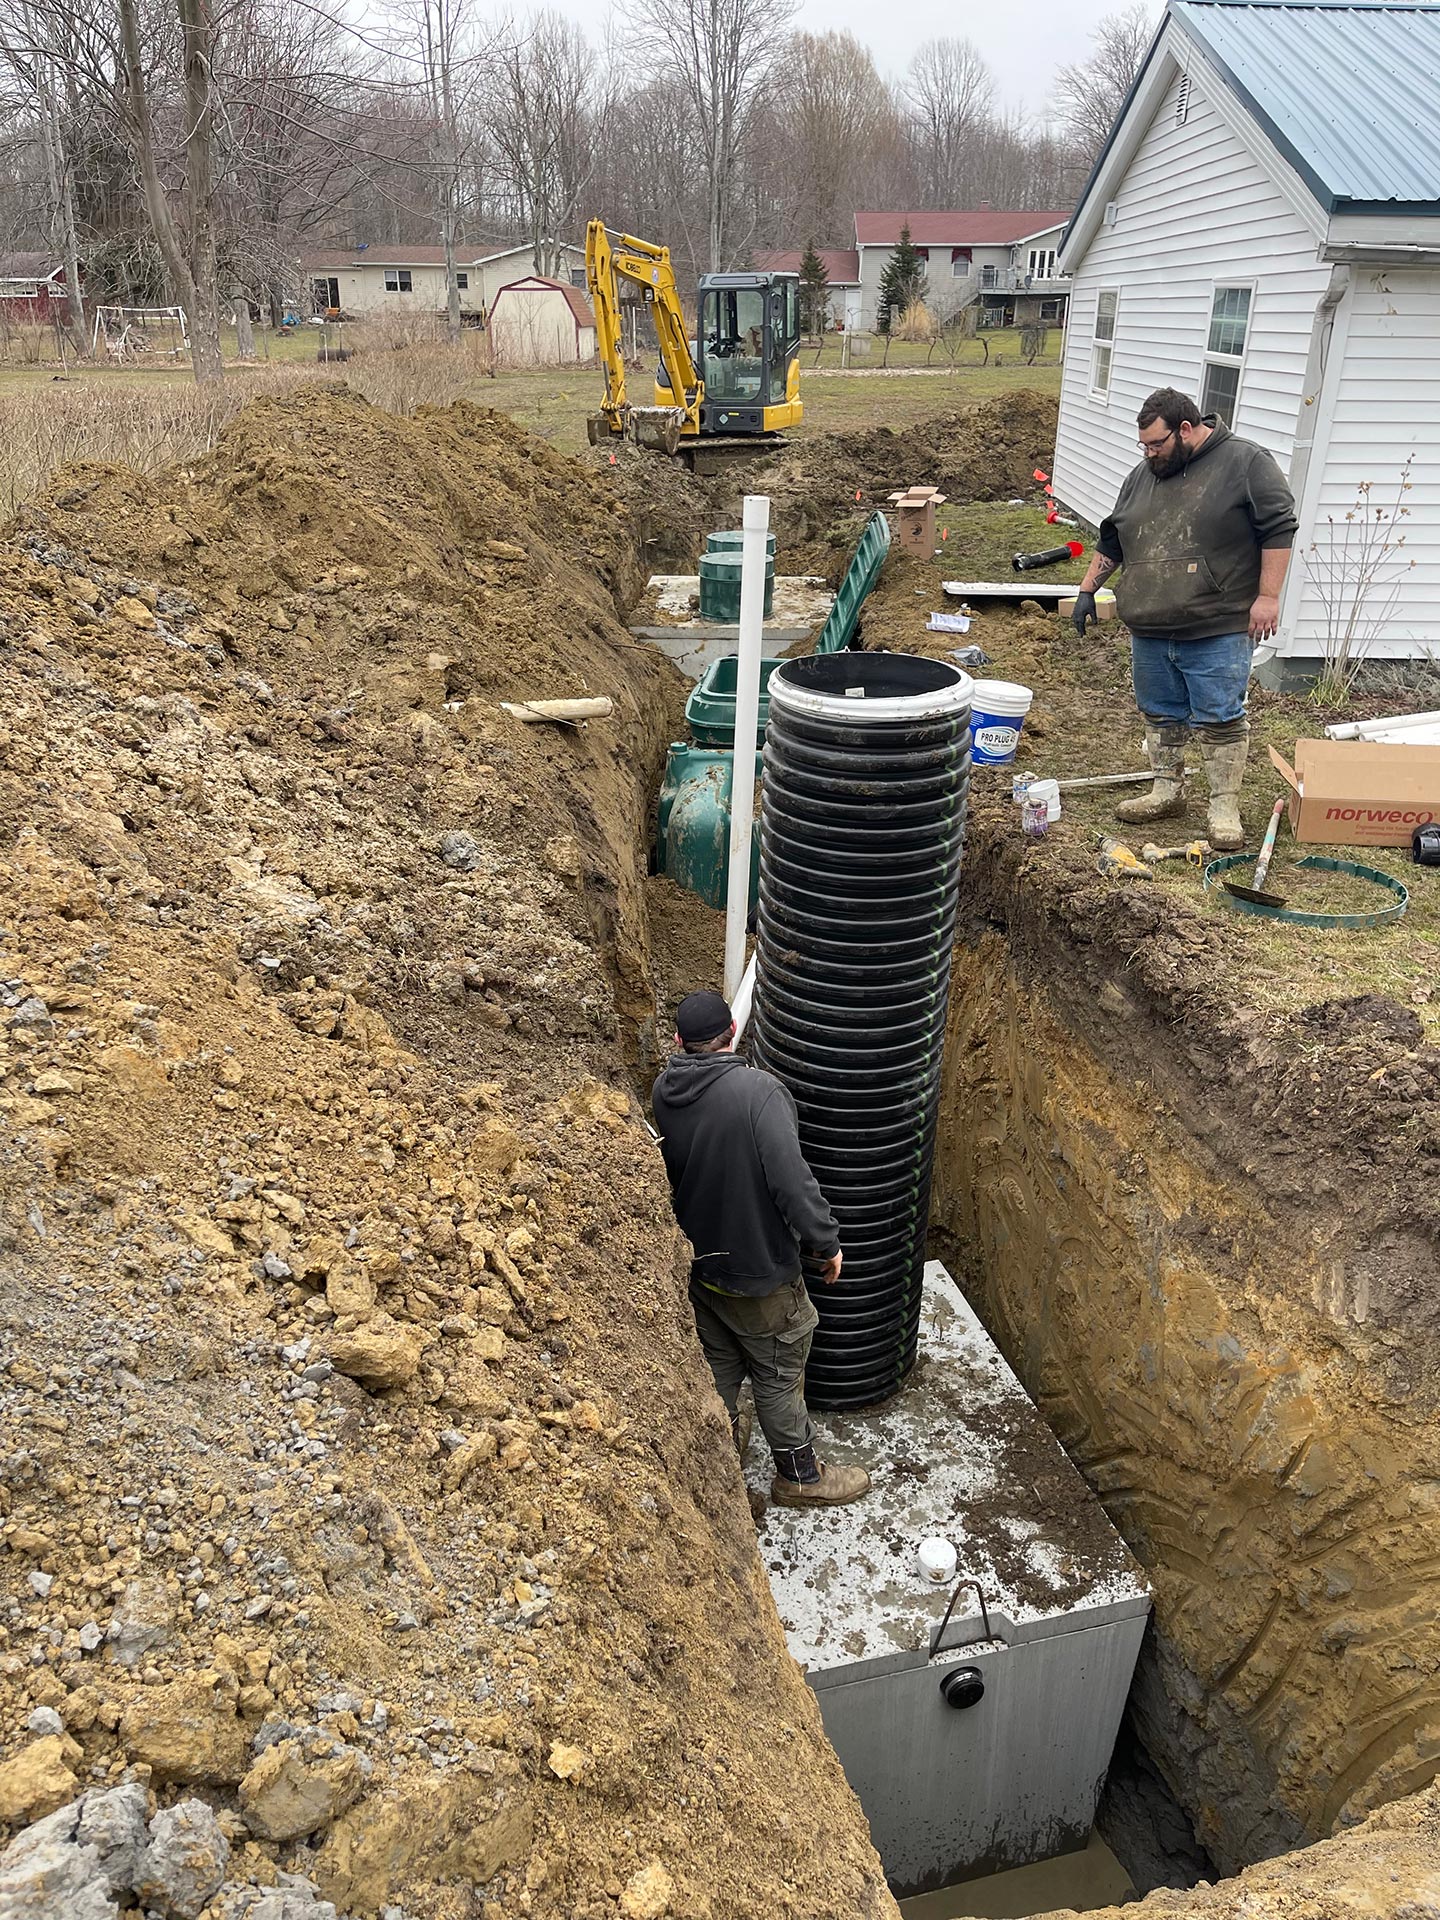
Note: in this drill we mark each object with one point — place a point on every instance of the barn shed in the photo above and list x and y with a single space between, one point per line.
537 322
1262 230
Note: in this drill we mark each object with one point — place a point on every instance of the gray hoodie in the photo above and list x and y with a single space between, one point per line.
746 1200
1190 541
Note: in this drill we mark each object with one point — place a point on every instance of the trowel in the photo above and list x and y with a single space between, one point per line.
1255 893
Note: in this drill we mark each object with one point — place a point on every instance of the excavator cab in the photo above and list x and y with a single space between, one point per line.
747 345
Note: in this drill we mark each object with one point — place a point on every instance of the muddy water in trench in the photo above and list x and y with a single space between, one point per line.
1179 1345
1083 1881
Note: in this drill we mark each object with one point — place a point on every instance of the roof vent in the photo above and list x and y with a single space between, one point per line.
1182 101
1112 212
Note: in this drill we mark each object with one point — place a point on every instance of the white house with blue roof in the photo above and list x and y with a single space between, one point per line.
1263 230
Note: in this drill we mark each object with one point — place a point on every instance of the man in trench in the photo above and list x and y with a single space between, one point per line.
752 1211
1203 528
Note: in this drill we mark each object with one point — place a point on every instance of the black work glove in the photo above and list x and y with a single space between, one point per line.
1084 613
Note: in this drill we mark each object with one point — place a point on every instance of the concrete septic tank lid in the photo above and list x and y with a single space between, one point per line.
961 1453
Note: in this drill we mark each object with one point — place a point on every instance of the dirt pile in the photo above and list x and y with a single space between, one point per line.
823 487
360 1480
986 452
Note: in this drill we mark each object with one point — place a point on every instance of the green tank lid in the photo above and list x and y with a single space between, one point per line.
734 542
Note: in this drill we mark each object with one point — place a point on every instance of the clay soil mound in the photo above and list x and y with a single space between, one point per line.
823 487
359 1471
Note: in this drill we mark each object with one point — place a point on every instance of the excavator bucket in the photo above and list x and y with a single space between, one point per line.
660 436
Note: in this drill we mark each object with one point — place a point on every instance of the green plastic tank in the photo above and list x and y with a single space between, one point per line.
720 586
693 828
710 710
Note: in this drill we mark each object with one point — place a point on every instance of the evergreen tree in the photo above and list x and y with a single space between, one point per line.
902 283
814 291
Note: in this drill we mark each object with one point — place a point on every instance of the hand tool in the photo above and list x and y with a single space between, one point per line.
1255 892
1119 862
1195 855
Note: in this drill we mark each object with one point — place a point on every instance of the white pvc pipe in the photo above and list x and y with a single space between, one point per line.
756 525
1367 729
744 999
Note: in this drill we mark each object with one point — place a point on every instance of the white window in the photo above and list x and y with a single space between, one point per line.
462 280
1042 263
1107 306
1225 352
397 280
989 276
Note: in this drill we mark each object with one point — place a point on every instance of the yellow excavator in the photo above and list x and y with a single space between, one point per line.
732 389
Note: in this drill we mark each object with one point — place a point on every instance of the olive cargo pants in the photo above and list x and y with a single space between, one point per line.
768 1340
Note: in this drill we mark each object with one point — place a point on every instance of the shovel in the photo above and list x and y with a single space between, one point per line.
1256 893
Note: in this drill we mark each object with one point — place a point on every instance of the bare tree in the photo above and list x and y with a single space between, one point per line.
184 226
1091 94
549 101
951 92
832 115
719 52
29 49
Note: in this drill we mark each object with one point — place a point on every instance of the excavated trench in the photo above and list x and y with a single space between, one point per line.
1208 1281
401 1045
1213 1342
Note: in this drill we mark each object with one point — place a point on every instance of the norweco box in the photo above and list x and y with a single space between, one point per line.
1360 793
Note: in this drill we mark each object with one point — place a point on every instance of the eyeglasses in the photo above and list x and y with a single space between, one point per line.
1154 446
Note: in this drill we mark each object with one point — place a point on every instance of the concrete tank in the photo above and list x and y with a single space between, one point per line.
1008 1768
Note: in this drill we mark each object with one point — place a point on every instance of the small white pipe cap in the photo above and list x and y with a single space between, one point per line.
936 1559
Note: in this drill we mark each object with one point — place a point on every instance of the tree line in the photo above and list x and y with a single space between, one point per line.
193 150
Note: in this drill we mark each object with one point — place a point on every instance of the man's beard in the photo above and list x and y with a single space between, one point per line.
1171 462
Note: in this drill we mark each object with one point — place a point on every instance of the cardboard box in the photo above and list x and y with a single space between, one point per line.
1360 793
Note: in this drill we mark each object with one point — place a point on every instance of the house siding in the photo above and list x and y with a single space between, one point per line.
1385 406
1195 209
947 289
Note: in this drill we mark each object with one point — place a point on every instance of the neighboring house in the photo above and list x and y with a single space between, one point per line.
1263 231
842 275
32 289
537 322
410 278
1005 262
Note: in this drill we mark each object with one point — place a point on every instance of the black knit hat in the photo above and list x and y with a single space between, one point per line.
702 1016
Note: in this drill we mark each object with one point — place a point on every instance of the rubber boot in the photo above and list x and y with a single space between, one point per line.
741 1427
1224 749
804 1481
1165 750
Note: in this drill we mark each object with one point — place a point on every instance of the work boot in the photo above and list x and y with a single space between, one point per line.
803 1481
1224 750
1165 750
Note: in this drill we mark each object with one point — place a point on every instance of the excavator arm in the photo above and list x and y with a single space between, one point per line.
647 267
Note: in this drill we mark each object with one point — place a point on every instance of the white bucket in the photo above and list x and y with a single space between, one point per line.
997 712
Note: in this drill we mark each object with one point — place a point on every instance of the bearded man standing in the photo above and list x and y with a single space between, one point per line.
1203 529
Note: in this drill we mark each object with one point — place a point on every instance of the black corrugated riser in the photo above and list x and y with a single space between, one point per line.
861 837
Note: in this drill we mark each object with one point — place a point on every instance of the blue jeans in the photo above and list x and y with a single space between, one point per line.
1198 683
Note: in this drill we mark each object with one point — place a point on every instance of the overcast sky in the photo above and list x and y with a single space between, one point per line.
1024 41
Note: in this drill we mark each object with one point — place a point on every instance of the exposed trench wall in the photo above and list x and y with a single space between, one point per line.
1209 1361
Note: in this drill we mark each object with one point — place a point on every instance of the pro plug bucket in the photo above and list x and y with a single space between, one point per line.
997 712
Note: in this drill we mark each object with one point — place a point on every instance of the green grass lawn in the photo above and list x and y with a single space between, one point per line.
555 401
